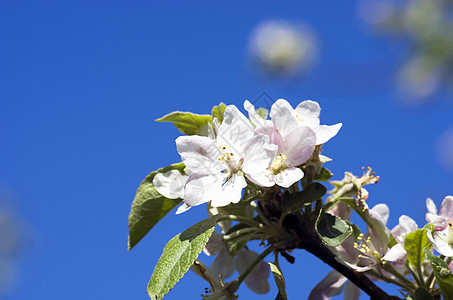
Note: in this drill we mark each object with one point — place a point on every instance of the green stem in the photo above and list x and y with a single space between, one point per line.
414 274
388 279
239 233
247 221
260 213
254 264
389 268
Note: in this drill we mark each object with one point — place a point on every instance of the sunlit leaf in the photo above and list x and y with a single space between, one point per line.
149 207
178 256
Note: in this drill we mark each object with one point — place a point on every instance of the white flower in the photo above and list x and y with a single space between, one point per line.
442 236
219 167
295 143
397 253
282 47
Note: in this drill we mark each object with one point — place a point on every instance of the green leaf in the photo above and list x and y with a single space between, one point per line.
444 276
331 229
414 243
262 112
218 112
188 123
149 207
323 175
296 201
279 280
178 256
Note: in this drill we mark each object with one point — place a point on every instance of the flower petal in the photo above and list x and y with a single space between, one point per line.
288 176
199 154
182 208
254 117
383 211
330 286
224 264
300 144
235 131
308 112
214 245
431 206
259 154
283 117
439 244
446 209
351 291
200 189
440 223
256 280
170 184
396 254
230 191
325 132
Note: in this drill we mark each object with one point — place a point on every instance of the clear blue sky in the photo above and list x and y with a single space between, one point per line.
81 83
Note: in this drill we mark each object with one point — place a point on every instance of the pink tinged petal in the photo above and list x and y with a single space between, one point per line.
199 154
309 111
200 189
182 208
351 291
431 206
446 209
257 279
274 136
288 177
170 184
300 144
214 245
224 264
235 131
324 132
407 224
439 223
380 235
258 155
264 179
330 286
230 191
283 117
396 254
254 117
399 233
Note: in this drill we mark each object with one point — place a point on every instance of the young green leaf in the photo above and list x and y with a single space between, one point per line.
296 201
178 256
218 112
323 175
149 207
331 229
444 276
414 243
188 123
279 280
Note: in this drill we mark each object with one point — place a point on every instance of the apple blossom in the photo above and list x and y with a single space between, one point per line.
219 167
295 144
441 237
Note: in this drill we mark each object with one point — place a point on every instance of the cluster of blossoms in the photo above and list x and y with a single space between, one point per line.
260 151
259 177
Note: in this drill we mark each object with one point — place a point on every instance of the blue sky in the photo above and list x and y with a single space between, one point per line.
81 84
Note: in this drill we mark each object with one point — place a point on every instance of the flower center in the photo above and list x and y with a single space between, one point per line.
278 164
